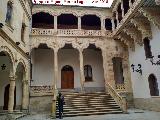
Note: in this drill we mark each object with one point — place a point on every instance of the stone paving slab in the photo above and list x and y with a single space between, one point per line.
132 115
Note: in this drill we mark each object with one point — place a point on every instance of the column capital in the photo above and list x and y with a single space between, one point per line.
12 77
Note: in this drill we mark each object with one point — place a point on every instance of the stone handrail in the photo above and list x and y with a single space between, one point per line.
120 87
70 32
121 101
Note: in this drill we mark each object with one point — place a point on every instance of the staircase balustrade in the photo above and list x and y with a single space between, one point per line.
121 101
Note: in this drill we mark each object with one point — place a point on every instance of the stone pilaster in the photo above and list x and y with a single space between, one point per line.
25 97
11 93
79 22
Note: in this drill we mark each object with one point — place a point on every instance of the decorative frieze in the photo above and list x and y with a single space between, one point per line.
152 14
143 25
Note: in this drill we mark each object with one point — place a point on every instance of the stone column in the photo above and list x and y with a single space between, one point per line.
117 18
82 78
79 22
53 109
122 9
103 24
55 22
113 25
130 3
11 93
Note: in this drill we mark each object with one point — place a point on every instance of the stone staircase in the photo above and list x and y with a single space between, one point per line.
78 104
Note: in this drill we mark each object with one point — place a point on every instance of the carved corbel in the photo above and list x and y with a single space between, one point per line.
143 25
157 2
152 14
127 40
135 34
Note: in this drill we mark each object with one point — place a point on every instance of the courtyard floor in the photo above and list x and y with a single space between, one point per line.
134 114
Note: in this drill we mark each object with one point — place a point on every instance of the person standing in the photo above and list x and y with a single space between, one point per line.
60 100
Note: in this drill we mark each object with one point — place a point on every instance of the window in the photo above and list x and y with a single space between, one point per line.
88 73
147 48
9 12
23 32
153 85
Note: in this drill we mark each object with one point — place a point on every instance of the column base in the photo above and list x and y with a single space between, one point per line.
53 109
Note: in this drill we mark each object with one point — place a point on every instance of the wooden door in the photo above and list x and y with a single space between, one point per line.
67 76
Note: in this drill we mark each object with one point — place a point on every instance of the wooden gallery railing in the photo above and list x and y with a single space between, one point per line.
121 101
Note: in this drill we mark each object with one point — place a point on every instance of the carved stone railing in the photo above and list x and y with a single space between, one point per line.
71 32
121 101
41 90
127 16
120 87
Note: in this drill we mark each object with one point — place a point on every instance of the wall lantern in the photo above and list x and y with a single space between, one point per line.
139 70
155 63
3 67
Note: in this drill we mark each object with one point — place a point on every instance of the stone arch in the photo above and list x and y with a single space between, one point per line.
67 12
44 11
7 51
21 61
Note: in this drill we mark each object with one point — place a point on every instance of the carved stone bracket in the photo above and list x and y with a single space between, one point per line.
127 40
143 25
157 2
135 34
153 14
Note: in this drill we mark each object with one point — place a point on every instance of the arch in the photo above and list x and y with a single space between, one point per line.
147 48
71 21
67 77
153 85
88 73
44 11
9 12
43 20
91 22
8 52
21 61
119 10
125 6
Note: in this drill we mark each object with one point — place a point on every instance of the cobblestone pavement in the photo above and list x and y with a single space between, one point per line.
132 115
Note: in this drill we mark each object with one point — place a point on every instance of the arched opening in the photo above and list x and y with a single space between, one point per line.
147 48
6 67
91 22
108 24
9 12
93 69
20 73
43 20
118 70
126 6
153 85
132 1
67 21
67 77
88 73
42 63
6 98
119 12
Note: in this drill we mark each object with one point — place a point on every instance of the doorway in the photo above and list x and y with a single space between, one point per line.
67 77
153 85
6 98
